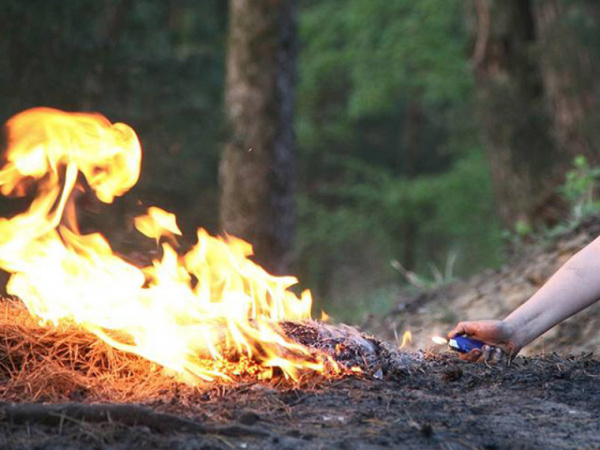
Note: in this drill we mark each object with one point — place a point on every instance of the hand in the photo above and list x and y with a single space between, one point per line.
497 335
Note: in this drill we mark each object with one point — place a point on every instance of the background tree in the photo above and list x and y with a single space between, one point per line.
569 70
257 167
514 123
536 96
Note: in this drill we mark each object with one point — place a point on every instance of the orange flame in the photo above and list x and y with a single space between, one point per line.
406 339
157 223
185 312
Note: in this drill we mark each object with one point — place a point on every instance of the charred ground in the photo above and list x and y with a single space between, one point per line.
438 402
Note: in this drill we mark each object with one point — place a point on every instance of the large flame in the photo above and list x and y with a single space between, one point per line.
189 312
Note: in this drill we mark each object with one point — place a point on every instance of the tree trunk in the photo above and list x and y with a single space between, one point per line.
513 122
257 166
412 129
568 75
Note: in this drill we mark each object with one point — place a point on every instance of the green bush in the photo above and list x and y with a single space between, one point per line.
580 187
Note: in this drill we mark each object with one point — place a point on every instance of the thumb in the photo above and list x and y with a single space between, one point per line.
460 329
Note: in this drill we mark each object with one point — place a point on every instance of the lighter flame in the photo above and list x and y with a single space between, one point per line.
439 340
406 339
185 312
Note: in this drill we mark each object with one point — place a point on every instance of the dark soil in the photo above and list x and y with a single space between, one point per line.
437 401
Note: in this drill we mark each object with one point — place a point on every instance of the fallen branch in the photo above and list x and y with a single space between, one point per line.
124 414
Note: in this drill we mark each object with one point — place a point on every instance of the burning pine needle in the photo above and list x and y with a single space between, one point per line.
212 303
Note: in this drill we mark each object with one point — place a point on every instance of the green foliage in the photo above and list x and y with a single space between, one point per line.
439 277
522 232
361 229
364 65
579 189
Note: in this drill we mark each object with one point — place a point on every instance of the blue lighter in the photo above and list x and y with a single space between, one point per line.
463 344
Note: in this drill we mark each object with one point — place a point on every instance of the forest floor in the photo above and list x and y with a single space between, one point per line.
62 388
436 402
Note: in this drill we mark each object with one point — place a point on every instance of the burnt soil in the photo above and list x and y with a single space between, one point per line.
437 401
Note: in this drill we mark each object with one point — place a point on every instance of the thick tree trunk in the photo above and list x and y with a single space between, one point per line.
257 167
514 125
568 75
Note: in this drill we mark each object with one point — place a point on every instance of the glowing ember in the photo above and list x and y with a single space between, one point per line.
439 340
189 312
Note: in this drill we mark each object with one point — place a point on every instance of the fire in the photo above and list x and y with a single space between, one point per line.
406 339
439 340
190 313
157 223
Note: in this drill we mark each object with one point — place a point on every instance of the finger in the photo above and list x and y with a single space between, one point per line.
472 356
496 355
486 353
491 356
460 329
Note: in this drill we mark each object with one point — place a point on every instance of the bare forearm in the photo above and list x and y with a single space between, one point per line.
575 286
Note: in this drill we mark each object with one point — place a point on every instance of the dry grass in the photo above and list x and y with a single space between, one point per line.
66 363
47 363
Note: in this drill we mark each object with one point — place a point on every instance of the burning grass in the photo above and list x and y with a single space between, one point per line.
212 302
66 363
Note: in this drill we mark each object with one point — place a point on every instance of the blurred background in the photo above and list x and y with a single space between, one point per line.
366 146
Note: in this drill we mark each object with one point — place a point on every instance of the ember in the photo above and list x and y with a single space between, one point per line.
203 314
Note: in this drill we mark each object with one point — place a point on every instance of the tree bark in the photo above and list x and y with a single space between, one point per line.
567 69
412 145
510 100
257 166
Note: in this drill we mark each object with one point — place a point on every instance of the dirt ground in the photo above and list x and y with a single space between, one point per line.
436 402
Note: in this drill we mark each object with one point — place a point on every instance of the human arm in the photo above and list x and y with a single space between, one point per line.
575 286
